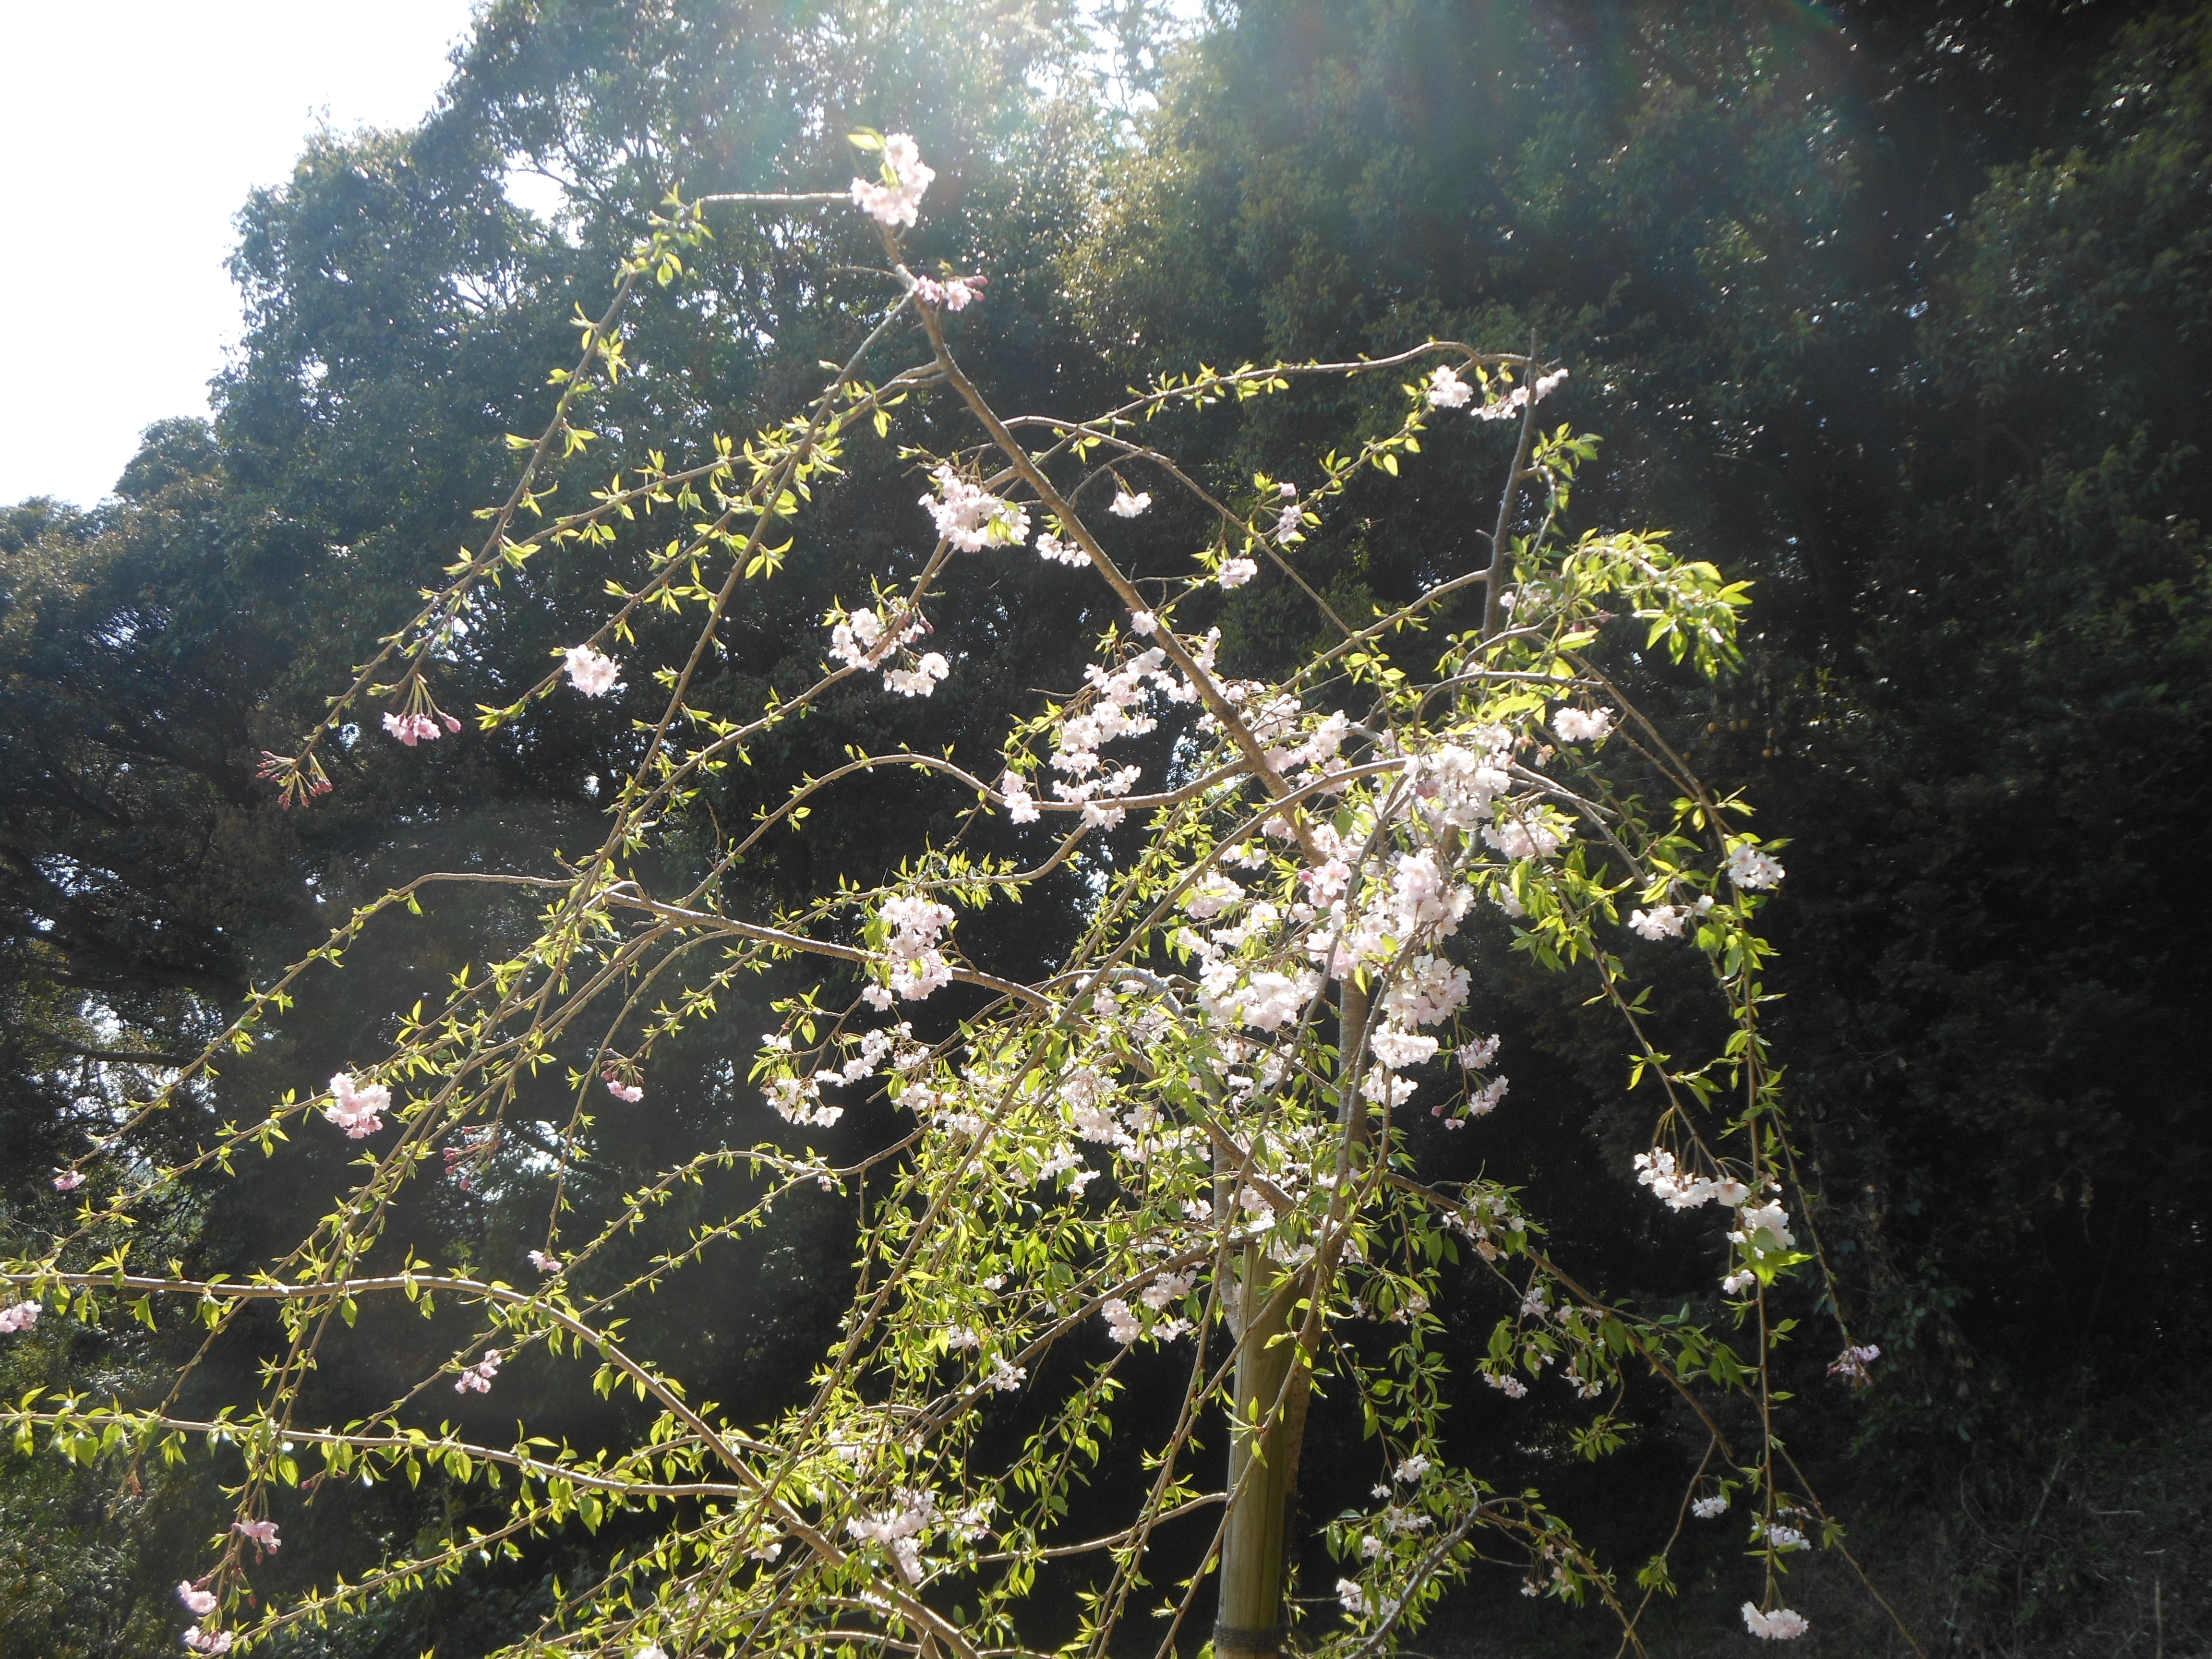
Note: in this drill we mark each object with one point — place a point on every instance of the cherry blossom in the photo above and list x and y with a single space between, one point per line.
68 1181
1710 1509
1851 1364
1780 1625
1235 573
477 1379
1126 505
1520 397
196 1601
411 729
1021 806
544 1262
971 518
21 1317
1661 921
1060 552
1121 1323
919 969
1579 726
1477 1054
629 1092
263 1534
954 294
1354 1600
1447 389
1765 1226
895 201
1748 866
590 672
897 1530
208 1641
357 1109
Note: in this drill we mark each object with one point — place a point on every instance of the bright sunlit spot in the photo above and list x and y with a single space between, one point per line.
130 154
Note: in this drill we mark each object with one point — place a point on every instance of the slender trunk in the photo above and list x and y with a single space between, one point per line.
1273 1388
1249 1621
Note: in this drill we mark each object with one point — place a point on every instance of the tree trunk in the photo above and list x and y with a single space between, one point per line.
1271 1419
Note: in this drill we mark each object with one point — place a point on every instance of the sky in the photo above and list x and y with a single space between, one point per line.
132 130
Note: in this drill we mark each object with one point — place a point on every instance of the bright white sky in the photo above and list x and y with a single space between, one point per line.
131 131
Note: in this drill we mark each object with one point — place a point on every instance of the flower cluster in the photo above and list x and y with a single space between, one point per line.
357 1107
953 294
411 729
476 1378
898 1530
590 671
262 1534
68 1181
895 199
196 1601
208 1641
1583 726
1748 866
21 1317
970 517
1446 389
1049 546
919 969
1780 1625
864 639
1851 1364
1521 397
1126 505
1681 1190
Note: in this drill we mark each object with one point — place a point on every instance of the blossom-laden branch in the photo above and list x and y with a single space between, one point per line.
1197 1123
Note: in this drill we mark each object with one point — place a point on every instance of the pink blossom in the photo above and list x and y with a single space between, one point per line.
411 729
477 1379
21 1317
1661 921
208 1641
357 1109
1235 573
196 1601
68 1181
544 1262
631 1092
263 1533
954 294
1851 1363
590 672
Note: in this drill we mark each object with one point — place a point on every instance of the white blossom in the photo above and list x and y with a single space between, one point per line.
1447 389
1780 1625
1126 505
1748 866
895 202
592 672
1577 725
